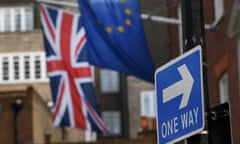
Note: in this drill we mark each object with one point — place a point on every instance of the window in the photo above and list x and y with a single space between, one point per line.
23 67
16 67
37 67
219 9
90 136
223 87
5 66
112 120
16 18
27 67
148 104
29 18
148 110
7 20
109 81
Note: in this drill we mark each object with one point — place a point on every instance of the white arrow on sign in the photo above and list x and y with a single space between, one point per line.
183 87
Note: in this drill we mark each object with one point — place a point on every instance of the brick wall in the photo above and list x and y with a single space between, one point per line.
222 57
42 118
7 117
43 127
135 86
146 138
42 88
21 41
35 120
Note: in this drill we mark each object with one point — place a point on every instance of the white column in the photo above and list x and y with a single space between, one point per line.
11 68
21 68
43 67
32 67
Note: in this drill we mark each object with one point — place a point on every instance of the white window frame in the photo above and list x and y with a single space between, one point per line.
218 9
148 104
23 19
90 136
32 57
16 67
111 82
223 88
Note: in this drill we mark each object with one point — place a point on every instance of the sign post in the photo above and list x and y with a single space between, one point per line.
193 35
180 102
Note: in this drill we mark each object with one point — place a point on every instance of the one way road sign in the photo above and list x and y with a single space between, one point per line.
179 90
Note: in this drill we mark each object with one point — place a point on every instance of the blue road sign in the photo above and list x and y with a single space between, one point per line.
179 91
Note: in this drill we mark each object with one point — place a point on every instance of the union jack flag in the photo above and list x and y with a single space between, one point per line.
69 71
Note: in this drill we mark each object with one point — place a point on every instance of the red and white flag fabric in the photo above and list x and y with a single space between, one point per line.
69 71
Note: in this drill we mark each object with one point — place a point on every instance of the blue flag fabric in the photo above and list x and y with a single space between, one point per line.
115 37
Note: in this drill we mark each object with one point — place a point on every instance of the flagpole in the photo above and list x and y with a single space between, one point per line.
62 3
160 19
143 16
149 17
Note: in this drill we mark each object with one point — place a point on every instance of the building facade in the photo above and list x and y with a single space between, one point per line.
126 103
23 65
222 59
141 95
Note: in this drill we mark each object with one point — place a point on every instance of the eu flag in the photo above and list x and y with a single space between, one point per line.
115 37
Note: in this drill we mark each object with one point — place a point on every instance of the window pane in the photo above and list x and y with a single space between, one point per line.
29 18
112 120
17 19
148 105
109 81
1 20
37 67
22 67
16 67
7 23
219 9
5 68
223 87
27 67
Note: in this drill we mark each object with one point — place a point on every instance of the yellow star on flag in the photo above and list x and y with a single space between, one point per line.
122 1
128 22
120 29
128 11
109 29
